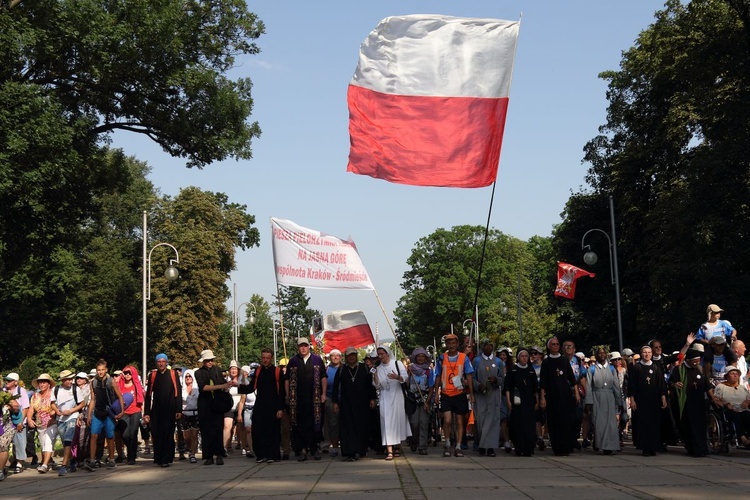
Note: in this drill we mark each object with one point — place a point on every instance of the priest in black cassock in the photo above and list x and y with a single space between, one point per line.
559 396
268 384
162 409
691 387
353 398
647 391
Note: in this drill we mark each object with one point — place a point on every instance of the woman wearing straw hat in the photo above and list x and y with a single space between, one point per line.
43 412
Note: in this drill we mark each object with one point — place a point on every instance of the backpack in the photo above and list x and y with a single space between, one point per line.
75 393
152 377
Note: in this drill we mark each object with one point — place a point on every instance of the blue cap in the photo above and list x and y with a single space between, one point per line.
162 356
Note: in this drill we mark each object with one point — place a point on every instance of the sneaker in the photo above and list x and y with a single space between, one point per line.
334 452
111 464
269 461
42 469
243 452
2 476
259 460
193 459
73 466
586 443
87 465
62 471
98 464
508 447
18 469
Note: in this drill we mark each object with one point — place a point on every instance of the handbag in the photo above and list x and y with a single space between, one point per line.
410 400
222 401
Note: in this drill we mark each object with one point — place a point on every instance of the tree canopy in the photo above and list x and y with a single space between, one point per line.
441 284
673 153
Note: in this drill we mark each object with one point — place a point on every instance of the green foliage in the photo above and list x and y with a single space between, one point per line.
205 228
674 154
155 68
297 315
441 285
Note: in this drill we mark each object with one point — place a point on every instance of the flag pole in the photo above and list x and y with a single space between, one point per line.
281 319
395 338
481 260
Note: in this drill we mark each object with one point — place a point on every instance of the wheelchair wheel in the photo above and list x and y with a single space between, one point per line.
715 434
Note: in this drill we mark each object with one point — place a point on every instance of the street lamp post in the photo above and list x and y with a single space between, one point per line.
468 331
238 325
171 274
591 258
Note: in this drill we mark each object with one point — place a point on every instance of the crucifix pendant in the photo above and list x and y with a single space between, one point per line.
648 380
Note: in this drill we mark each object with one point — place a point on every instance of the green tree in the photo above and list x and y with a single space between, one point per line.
674 154
297 315
440 287
155 68
206 229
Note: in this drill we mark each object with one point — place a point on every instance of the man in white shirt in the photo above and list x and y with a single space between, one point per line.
69 403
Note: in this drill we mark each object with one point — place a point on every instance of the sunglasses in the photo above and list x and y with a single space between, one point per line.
188 376
127 372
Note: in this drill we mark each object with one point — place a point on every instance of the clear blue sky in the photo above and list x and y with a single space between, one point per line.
298 170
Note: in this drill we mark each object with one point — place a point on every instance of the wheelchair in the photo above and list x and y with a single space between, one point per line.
721 433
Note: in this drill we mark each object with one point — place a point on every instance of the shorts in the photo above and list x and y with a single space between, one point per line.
47 437
66 430
107 424
247 417
458 404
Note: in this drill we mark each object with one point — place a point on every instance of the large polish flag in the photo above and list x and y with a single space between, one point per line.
344 329
428 100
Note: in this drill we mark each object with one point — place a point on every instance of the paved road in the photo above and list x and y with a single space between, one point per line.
544 476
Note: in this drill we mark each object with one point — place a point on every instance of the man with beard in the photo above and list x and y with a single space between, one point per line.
162 409
353 398
691 386
305 385
269 407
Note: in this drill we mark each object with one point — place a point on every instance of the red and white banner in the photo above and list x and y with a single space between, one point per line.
567 275
346 329
428 100
307 258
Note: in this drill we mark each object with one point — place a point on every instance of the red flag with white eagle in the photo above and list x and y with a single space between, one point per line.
344 329
567 275
428 100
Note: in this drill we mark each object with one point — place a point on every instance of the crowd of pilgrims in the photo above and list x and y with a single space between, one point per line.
497 399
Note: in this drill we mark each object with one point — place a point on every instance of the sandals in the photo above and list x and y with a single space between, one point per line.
396 453
459 453
446 452
389 457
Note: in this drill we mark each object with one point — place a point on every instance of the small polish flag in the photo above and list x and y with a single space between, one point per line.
428 100
346 329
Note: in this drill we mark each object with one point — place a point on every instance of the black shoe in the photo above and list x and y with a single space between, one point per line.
540 444
482 451
165 465
208 461
491 452
285 457
607 452
182 456
577 445
316 456
586 443
219 460
301 457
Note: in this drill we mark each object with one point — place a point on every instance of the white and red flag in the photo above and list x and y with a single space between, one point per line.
567 275
308 258
428 100
346 329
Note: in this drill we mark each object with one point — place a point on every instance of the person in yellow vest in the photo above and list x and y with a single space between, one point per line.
453 381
